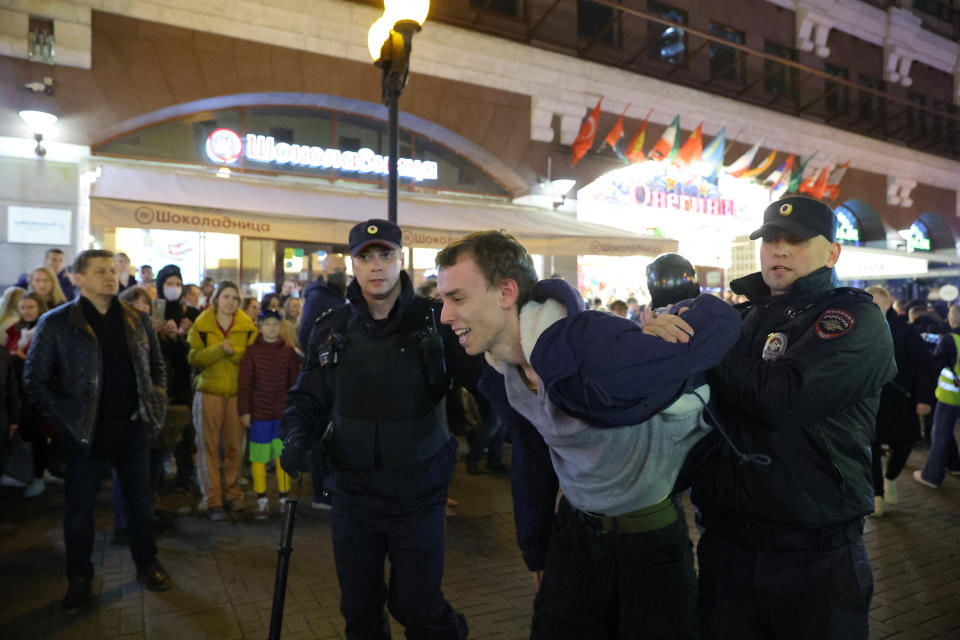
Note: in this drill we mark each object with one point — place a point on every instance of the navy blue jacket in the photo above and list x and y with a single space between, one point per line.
318 298
604 370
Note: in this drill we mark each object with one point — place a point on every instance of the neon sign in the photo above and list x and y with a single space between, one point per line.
847 230
918 240
224 146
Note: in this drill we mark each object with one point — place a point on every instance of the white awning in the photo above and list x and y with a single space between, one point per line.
151 196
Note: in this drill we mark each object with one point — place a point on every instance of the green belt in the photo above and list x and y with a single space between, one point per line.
651 518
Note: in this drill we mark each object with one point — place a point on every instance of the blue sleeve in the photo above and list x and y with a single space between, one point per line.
533 480
606 370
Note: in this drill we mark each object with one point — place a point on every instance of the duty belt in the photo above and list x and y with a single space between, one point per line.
651 518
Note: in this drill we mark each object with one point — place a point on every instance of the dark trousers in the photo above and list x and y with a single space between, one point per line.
783 594
899 452
606 585
129 452
488 438
943 444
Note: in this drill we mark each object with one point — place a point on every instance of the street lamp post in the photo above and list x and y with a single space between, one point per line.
389 41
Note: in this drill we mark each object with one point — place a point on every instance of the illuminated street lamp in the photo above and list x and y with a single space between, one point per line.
389 41
39 122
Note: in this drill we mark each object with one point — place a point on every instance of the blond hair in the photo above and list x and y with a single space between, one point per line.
56 297
9 312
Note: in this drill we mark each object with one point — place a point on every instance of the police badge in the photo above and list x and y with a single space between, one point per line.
775 346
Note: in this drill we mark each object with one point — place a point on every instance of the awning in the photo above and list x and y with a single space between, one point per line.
154 197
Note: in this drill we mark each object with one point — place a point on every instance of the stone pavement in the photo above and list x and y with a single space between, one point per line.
223 571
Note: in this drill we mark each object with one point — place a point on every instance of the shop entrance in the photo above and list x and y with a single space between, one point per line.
304 261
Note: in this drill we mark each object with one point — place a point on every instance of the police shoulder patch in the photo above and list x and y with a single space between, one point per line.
834 323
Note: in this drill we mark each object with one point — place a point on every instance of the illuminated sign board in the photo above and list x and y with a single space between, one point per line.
918 240
847 230
225 146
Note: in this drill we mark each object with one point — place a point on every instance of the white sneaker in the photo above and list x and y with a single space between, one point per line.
49 478
879 507
890 491
35 488
918 476
263 509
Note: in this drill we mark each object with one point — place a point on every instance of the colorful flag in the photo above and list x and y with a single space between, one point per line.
713 154
743 163
760 168
588 130
692 150
634 150
817 188
617 132
833 182
668 141
797 175
781 177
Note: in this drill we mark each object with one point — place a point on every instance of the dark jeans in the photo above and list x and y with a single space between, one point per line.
129 452
606 585
943 444
899 452
408 527
489 438
783 594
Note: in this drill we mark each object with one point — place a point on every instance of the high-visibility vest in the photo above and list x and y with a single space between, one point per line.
948 391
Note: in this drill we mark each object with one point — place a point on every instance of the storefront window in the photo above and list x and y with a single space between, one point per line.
198 255
259 266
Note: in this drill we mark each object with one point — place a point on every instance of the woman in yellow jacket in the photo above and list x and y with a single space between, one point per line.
218 340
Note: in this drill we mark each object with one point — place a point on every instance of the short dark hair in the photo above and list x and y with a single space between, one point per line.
145 266
84 257
499 257
52 250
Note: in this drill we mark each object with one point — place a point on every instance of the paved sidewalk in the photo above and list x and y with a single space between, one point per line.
223 571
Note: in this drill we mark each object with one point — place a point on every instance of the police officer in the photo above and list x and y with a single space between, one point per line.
783 501
670 279
377 370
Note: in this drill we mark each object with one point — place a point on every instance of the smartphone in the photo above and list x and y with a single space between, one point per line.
157 311
932 338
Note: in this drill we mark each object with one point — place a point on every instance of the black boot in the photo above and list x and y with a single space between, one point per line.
78 594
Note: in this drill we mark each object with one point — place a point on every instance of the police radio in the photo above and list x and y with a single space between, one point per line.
431 346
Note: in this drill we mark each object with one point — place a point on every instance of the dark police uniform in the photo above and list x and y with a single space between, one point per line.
782 555
377 381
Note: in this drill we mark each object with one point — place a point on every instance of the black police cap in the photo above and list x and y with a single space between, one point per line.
375 231
803 217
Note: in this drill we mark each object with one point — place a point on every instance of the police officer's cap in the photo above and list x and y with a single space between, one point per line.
375 231
803 217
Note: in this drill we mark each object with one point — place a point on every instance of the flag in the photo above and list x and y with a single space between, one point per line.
692 150
797 175
781 177
743 163
667 142
588 130
617 132
833 182
634 150
760 168
817 188
713 154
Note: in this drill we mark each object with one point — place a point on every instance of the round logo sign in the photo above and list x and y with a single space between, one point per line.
786 209
372 229
224 146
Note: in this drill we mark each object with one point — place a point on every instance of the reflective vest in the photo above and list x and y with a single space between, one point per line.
948 391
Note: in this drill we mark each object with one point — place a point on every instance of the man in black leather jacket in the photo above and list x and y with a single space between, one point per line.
783 502
96 372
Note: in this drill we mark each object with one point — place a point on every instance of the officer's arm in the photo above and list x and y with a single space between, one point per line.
607 367
310 401
816 377
533 479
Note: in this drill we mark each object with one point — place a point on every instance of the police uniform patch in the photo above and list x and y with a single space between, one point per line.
790 313
775 346
834 323
786 209
372 229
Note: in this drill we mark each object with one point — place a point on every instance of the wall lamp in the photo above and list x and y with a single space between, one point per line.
39 123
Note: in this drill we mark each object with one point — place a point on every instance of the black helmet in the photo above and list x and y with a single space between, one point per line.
671 278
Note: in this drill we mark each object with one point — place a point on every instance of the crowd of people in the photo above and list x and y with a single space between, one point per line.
775 405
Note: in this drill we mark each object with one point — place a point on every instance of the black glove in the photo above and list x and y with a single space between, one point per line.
293 457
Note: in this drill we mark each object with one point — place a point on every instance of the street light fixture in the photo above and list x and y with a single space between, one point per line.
39 123
389 41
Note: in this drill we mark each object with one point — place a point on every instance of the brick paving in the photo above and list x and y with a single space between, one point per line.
223 571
